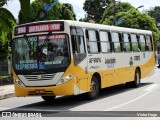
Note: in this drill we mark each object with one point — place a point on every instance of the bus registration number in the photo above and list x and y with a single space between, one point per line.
40 91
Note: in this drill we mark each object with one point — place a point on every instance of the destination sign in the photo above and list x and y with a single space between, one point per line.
43 27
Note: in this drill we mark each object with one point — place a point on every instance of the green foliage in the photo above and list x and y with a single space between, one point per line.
7 21
67 12
35 7
84 19
133 19
2 41
25 7
2 2
95 9
155 13
120 7
55 13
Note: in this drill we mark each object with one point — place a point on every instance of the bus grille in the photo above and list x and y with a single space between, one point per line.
39 77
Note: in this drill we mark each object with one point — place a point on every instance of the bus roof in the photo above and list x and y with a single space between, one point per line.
95 26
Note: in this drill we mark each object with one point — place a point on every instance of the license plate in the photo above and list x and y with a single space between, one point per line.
40 91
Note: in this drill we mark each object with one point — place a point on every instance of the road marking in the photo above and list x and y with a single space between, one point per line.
127 102
151 88
148 90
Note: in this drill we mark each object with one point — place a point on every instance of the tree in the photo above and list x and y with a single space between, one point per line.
95 8
84 19
67 12
6 18
25 7
35 7
133 19
7 21
55 13
155 13
120 7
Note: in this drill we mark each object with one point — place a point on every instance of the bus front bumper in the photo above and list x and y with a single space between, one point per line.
63 89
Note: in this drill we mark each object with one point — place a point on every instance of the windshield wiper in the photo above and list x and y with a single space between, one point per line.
46 41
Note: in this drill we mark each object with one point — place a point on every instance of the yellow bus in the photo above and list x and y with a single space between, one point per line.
54 58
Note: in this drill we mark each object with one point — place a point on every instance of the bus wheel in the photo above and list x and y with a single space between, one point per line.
48 99
136 81
94 89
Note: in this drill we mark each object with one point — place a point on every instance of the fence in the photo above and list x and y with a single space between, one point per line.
4 68
5 76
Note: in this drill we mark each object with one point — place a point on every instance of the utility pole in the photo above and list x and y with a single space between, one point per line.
114 12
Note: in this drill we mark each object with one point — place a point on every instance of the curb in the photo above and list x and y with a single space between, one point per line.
9 95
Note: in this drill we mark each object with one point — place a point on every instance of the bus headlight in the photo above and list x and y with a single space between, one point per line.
68 77
65 79
18 82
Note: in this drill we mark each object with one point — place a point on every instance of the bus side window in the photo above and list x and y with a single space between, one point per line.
81 44
134 40
142 42
92 41
116 41
126 43
104 41
73 40
149 42
78 45
77 39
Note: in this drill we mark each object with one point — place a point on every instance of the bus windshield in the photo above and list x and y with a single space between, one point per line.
40 53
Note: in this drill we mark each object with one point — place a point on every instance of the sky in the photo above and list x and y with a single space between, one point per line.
14 6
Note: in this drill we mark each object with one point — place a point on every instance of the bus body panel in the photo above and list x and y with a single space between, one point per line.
113 68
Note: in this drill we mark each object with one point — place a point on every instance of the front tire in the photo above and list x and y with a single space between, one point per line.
94 89
48 99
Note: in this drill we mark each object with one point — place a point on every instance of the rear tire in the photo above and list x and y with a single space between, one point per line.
94 89
48 99
136 81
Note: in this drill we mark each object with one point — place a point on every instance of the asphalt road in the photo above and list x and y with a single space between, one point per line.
118 101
